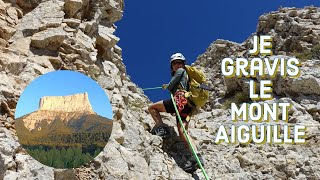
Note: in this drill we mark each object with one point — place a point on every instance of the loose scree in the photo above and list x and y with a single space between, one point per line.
261 113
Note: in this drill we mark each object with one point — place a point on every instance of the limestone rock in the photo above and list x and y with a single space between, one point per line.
71 7
33 120
61 174
48 14
50 39
21 45
105 39
132 152
3 43
10 62
72 22
20 64
117 133
107 82
84 41
72 103
28 4
292 29
8 21
114 162
111 70
64 108
2 168
113 11
81 65
28 167
307 83
8 145
43 62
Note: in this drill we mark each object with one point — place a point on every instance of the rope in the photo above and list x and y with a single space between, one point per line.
189 142
152 88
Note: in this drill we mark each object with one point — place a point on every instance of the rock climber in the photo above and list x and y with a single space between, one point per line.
177 86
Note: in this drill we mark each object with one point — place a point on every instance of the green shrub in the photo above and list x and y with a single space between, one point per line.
313 53
238 98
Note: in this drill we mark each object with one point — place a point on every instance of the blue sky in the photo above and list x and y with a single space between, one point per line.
151 31
62 83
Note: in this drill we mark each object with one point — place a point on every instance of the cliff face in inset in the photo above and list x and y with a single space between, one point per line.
72 103
64 108
64 121
39 127
33 120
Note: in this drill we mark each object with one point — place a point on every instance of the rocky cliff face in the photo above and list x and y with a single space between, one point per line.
42 36
72 103
295 33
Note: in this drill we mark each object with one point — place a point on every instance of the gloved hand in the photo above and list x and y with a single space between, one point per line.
164 86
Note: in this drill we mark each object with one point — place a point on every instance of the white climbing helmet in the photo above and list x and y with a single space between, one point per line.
178 56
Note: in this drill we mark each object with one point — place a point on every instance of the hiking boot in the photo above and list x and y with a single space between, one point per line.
200 159
191 165
161 131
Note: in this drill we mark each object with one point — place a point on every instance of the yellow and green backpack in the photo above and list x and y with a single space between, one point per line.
196 94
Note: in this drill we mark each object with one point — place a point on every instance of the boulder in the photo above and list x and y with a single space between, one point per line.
71 7
50 39
8 21
48 14
21 45
11 62
28 4
105 39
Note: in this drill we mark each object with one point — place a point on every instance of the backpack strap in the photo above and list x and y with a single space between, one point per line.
205 87
188 86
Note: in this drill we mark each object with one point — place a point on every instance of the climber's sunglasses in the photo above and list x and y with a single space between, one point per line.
177 62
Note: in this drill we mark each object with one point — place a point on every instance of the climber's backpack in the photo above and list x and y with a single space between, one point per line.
197 79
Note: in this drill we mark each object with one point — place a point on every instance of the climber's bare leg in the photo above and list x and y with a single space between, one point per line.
155 110
183 137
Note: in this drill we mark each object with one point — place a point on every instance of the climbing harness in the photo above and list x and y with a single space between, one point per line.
188 139
180 100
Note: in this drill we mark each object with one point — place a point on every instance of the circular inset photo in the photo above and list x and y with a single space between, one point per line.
63 119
